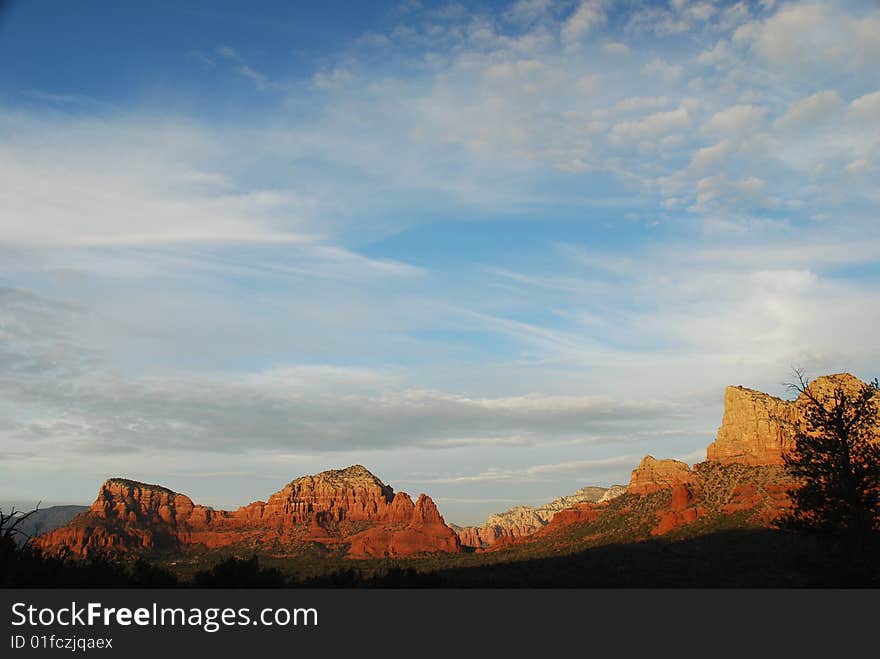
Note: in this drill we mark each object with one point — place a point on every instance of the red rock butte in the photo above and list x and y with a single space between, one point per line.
346 509
756 431
654 475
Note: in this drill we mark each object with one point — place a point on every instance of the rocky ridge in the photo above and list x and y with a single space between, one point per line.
351 512
348 509
742 478
521 521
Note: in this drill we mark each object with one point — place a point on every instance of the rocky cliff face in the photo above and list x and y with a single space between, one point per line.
129 501
526 520
423 532
352 494
654 475
742 482
757 429
743 472
348 508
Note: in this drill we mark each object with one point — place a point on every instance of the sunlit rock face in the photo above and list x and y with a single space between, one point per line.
348 509
526 520
757 429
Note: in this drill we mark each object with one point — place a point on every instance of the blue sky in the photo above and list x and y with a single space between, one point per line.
493 251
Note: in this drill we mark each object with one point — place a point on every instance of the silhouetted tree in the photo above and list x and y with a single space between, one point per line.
235 572
23 563
10 522
835 461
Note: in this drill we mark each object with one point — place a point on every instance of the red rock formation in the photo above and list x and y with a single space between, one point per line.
349 506
743 476
757 429
402 508
352 510
682 509
654 475
425 533
577 514
474 536
522 521
352 494
128 515
768 501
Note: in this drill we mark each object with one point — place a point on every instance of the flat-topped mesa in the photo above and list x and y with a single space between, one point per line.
130 516
129 501
655 475
758 429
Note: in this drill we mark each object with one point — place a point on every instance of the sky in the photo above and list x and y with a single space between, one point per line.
493 251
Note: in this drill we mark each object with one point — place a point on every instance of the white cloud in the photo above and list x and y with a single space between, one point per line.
719 55
228 53
734 15
663 70
658 21
588 15
697 11
718 193
858 167
616 48
542 472
807 39
866 107
652 126
525 12
91 409
785 35
816 107
640 103
201 58
260 80
709 156
735 120
865 45
332 79
127 184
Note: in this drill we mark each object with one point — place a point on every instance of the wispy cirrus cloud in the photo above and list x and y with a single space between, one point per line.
546 472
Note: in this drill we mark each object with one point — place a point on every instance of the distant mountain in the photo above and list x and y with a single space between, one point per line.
525 520
612 493
346 512
45 520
